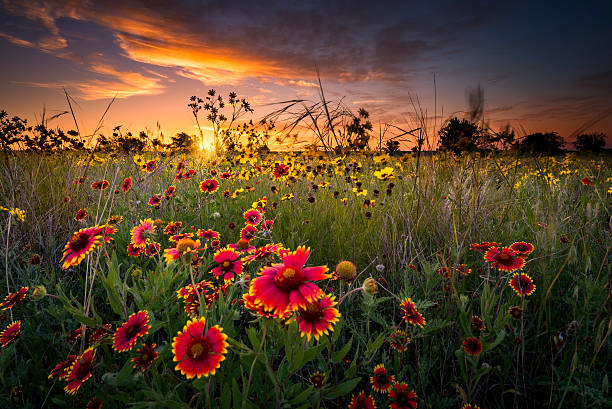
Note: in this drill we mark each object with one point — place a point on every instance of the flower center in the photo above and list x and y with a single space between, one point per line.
199 349
243 244
185 246
83 369
79 241
289 278
131 331
504 257
227 265
312 313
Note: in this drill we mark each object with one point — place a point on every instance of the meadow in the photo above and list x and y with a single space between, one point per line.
305 280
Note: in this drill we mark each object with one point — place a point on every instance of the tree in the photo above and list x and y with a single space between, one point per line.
459 136
182 142
538 142
11 131
590 142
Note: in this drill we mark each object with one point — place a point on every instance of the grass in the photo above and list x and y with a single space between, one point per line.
556 355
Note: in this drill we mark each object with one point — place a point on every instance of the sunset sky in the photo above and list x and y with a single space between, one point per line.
544 67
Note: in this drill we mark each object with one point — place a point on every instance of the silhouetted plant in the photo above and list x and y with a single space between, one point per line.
459 135
182 142
593 142
11 131
536 143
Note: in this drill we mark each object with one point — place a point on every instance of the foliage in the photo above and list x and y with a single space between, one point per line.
537 143
593 142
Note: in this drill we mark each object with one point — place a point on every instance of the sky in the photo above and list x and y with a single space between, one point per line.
544 66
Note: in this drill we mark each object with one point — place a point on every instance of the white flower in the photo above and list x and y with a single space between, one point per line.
380 268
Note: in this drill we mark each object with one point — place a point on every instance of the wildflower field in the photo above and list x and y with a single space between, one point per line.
305 280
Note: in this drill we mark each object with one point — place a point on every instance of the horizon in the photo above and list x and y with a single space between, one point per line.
551 73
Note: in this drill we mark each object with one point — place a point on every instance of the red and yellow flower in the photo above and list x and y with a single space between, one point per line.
317 380
288 285
402 398
381 381
62 370
399 340
136 327
317 317
522 247
361 401
472 346
146 356
10 334
80 245
230 265
14 298
80 371
411 314
143 233
126 185
197 353
252 217
209 186
183 246
504 259
522 284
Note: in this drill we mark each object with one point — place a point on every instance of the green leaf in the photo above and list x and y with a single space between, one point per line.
339 355
302 397
344 388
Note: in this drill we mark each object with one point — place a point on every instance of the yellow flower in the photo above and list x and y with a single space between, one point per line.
287 196
18 213
384 174
360 191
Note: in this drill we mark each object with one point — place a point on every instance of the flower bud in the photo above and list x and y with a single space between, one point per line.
369 286
39 292
346 271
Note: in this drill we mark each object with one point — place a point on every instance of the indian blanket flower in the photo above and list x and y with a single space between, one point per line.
484 246
478 323
209 186
230 264
136 327
198 353
10 334
522 284
207 234
151 166
183 246
14 298
587 181
146 356
523 248
410 314
262 252
399 340
317 317
470 406
504 259
515 312
81 214
100 185
242 246
288 285
346 271
142 233
134 251
281 170
361 401
80 371
317 380
172 228
154 201
401 398
80 245
126 185
169 193
472 346
94 403
381 381
248 232
252 217
62 370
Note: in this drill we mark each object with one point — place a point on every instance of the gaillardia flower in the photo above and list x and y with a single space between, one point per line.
10 334
146 356
230 264
317 317
199 354
410 313
127 184
361 401
522 247
401 398
80 245
472 346
100 185
288 285
522 284
80 371
478 323
209 186
62 370
317 380
381 381
252 217
183 246
14 298
136 327
399 340
504 259
142 233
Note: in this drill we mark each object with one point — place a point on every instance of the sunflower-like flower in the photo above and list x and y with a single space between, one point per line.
100 185
208 234
381 381
252 217
361 401
94 403
522 247
399 340
262 252
10 334
248 232
478 323
317 379
126 185
402 398
142 233
522 284
385 173
288 285
80 245
199 354
80 371
136 327
80 214
484 246
411 314
14 298
230 265
504 259
146 356
62 370
470 406
209 186
472 346
183 246
172 228
318 317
